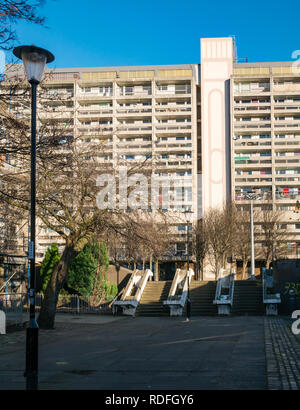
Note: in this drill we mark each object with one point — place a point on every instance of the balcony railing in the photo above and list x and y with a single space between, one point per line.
286 87
261 196
176 91
96 112
134 92
85 95
174 108
250 108
133 110
252 143
129 128
252 180
166 127
287 179
279 195
252 162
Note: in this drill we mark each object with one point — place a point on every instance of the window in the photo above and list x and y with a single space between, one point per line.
181 227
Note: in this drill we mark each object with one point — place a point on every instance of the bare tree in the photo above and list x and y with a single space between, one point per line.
273 235
218 224
199 246
12 11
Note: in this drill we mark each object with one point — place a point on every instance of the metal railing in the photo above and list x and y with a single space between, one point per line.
76 304
224 292
271 299
179 291
12 304
133 292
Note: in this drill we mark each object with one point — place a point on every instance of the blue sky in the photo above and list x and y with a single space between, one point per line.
119 33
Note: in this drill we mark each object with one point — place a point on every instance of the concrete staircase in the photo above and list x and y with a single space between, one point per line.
151 303
248 298
202 296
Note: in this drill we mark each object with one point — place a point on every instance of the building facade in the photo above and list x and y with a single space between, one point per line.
229 128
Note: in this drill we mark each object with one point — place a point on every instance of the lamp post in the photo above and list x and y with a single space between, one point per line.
188 215
34 60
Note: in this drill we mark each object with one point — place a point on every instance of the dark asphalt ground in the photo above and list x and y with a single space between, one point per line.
143 354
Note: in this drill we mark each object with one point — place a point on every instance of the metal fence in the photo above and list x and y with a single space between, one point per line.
76 304
16 306
12 304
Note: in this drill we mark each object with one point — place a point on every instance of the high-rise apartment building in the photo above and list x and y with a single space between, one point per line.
231 128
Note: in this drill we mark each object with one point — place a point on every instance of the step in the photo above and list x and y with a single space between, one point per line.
151 303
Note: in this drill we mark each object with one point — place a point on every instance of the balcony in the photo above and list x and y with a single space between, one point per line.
133 111
254 180
169 109
282 143
286 125
252 124
169 129
263 196
286 196
175 90
255 91
287 87
252 163
246 145
125 147
287 180
177 165
252 108
56 115
91 130
94 96
134 92
286 162
173 147
287 108
128 129
58 95
94 113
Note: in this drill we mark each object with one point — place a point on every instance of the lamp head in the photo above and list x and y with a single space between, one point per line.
34 60
188 214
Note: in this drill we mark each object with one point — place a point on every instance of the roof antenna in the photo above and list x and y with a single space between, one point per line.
235 57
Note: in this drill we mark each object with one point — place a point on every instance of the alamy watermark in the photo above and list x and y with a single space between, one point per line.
296 64
296 324
138 191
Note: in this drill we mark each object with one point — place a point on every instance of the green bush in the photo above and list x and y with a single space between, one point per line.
82 272
52 257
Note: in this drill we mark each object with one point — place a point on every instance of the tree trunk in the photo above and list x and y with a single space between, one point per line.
156 271
117 266
151 262
58 278
244 271
143 264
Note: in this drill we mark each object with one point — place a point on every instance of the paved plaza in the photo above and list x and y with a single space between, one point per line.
124 353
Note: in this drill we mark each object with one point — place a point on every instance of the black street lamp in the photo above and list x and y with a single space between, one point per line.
34 60
188 215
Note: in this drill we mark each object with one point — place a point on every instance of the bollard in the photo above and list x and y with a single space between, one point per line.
78 305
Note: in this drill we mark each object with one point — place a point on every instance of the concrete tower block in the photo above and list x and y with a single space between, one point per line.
216 69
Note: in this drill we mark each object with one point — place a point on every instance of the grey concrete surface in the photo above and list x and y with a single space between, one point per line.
108 352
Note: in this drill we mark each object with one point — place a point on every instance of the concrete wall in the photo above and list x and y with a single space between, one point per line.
216 69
